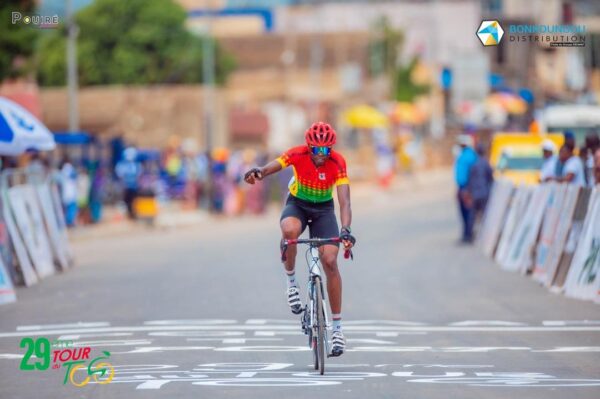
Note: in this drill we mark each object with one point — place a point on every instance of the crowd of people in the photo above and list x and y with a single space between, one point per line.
582 169
474 175
192 180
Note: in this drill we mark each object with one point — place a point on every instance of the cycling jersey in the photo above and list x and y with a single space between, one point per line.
312 183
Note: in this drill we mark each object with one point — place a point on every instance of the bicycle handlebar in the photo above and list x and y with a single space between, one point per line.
314 242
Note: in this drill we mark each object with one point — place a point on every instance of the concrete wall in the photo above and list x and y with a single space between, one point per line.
146 116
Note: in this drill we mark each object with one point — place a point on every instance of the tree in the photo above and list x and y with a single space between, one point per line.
405 89
16 40
384 52
130 42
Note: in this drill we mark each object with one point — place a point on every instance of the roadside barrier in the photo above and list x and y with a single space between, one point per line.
549 231
33 218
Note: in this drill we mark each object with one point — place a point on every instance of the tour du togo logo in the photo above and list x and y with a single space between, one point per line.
74 358
490 33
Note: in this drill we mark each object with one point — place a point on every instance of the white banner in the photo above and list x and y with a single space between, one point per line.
564 225
524 239
61 222
29 276
495 216
517 209
30 223
59 248
550 227
583 279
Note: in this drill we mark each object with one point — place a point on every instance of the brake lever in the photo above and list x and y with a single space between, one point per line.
348 254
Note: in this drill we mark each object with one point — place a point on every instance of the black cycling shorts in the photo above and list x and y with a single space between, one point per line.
319 217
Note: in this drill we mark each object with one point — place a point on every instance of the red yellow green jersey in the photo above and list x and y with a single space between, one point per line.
312 183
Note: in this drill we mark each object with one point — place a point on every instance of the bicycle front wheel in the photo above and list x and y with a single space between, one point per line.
320 344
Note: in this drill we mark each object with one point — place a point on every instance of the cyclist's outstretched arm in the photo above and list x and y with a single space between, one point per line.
343 194
260 173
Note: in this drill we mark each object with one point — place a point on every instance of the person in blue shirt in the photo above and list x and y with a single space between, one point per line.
462 166
128 170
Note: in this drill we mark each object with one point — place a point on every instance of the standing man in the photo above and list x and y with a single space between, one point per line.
572 171
548 171
481 179
129 171
465 160
317 170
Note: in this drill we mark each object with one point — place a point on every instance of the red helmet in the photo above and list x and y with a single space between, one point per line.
320 134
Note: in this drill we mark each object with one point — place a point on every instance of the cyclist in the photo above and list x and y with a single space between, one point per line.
317 170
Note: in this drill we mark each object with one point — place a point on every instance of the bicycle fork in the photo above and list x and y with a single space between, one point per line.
309 320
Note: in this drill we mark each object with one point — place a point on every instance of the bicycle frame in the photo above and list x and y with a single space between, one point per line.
314 270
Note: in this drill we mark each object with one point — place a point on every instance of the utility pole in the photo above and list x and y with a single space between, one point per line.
208 81
73 31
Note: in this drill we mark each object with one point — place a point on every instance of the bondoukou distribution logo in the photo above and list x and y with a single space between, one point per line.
490 33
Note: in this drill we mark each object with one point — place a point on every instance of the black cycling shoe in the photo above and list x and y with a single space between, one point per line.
294 300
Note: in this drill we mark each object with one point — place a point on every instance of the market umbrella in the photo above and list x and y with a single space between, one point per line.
404 112
365 117
20 131
511 103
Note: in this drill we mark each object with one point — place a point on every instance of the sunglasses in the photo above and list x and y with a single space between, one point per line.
320 150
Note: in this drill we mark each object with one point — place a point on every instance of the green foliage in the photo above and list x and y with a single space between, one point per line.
384 48
130 42
405 89
16 41
384 51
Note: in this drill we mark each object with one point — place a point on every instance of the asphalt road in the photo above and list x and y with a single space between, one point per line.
201 312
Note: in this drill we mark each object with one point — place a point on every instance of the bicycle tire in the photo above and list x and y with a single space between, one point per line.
320 325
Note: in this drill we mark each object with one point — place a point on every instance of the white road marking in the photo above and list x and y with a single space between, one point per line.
383 322
572 349
78 336
150 349
263 349
249 374
274 333
104 343
386 334
348 328
233 340
270 321
571 322
190 322
470 323
369 341
197 333
79 324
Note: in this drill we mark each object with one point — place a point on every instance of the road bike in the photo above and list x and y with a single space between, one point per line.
315 321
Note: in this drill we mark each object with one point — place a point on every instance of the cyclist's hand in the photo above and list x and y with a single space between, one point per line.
347 238
253 175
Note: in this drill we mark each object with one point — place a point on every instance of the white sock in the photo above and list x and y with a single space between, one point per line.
337 321
291 277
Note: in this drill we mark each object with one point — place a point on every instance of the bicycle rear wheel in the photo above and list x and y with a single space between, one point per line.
320 344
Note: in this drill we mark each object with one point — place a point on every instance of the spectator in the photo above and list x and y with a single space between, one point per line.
548 171
572 171
592 143
570 139
597 166
97 191
83 194
465 160
128 171
481 178
68 191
